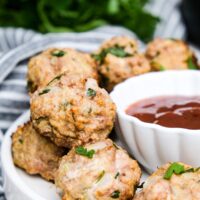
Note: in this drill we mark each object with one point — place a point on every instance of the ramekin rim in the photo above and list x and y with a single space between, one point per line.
135 120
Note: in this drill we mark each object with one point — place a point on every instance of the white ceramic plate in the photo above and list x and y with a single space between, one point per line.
18 185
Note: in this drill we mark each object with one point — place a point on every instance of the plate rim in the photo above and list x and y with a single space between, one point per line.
8 167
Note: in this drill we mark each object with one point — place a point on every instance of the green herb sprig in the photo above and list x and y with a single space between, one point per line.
84 152
176 168
56 78
58 53
191 64
100 176
21 141
116 175
115 194
90 92
116 50
45 91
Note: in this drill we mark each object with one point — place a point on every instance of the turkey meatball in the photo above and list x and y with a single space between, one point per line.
173 181
165 54
98 171
72 110
118 60
54 61
35 153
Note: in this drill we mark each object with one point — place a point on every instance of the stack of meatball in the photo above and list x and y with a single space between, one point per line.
66 140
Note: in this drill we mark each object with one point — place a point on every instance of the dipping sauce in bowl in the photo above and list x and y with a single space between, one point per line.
168 111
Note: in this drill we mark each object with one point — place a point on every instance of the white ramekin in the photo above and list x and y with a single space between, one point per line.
153 145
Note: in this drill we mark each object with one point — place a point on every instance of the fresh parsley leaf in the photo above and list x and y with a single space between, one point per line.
91 92
115 194
158 66
191 64
72 16
56 78
116 175
58 53
116 50
44 91
31 86
189 170
174 168
21 141
162 68
84 152
97 57
100 176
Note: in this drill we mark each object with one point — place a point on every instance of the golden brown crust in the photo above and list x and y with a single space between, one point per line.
35 153
109 170
115 69
165 54
44 67
68 116
182 186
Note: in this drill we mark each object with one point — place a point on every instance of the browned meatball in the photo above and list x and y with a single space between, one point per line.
118 60
98 171
167 54
54 61
35 153
72 110
166 184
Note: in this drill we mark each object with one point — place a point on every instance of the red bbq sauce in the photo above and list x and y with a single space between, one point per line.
168 111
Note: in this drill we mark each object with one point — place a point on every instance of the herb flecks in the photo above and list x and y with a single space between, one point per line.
116 50
31 86
84 152
100 176
115 194
116 175
174 168
158 66
58 53
64 105
162 68
38 120
21 141
45 91
90 92
55 78
191 63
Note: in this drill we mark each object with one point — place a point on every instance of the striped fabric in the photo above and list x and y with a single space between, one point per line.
13 93
171 24
25 43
